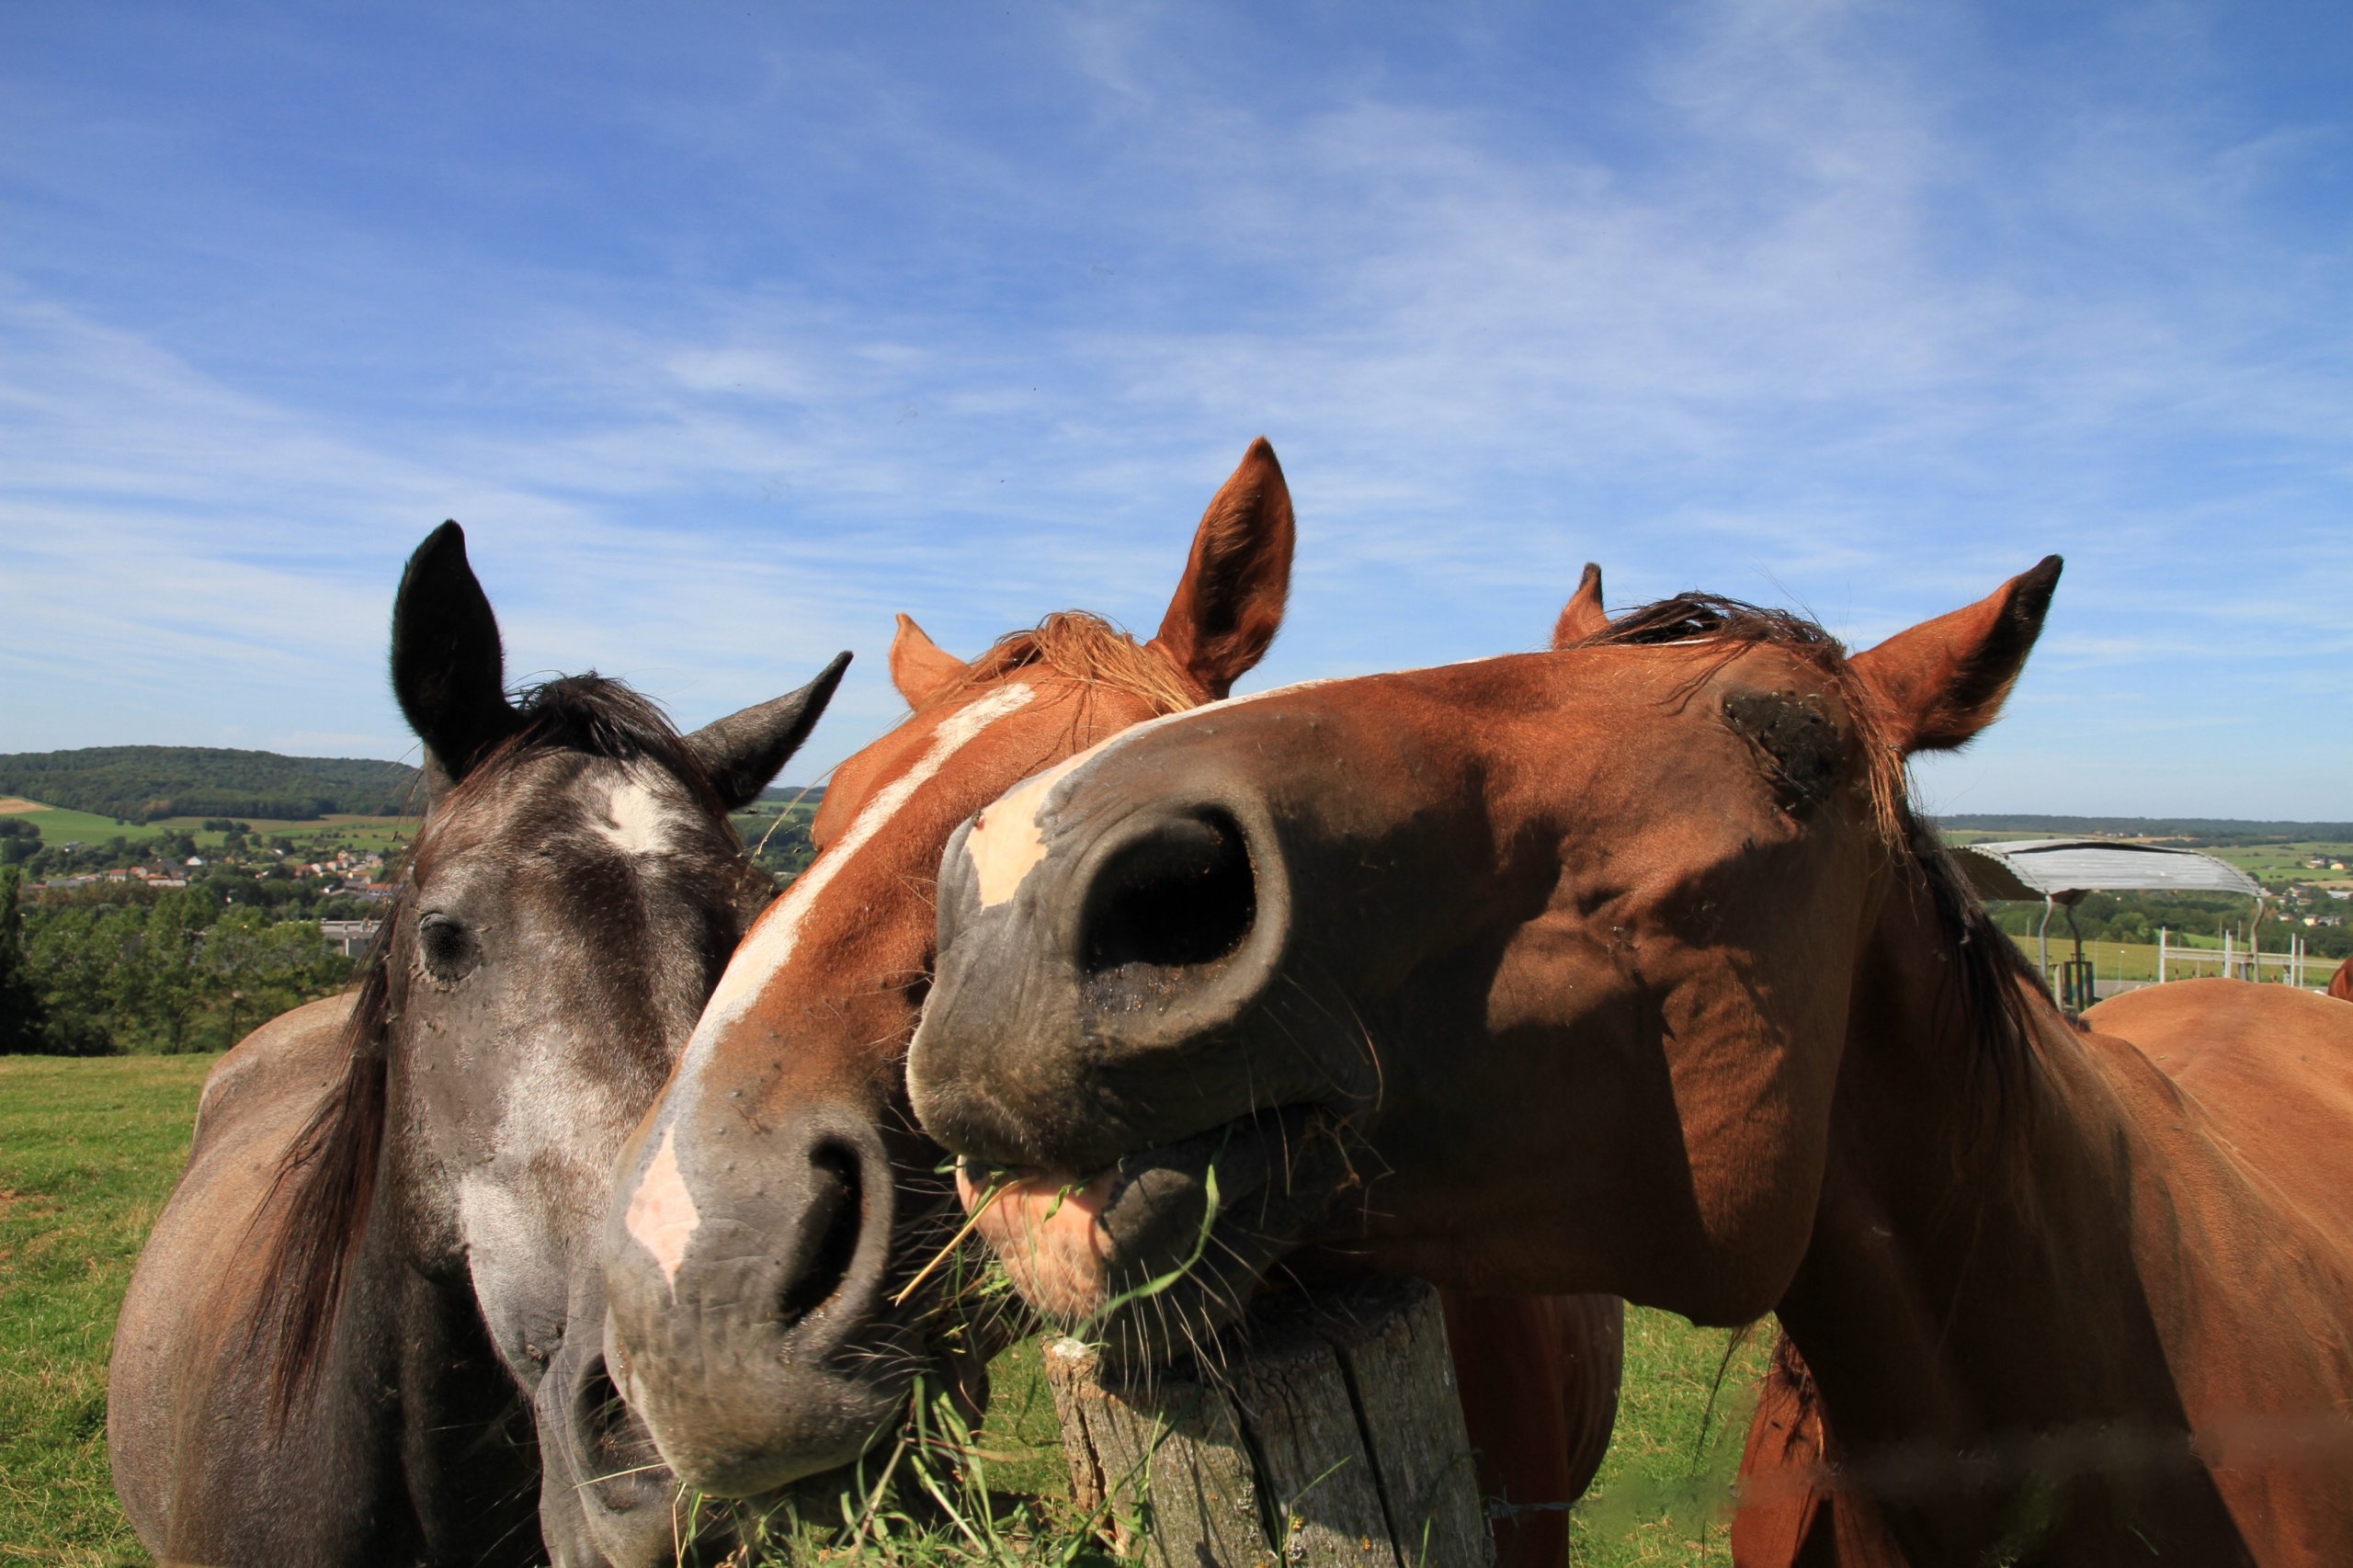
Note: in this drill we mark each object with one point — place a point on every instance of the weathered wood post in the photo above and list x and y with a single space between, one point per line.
1327 1434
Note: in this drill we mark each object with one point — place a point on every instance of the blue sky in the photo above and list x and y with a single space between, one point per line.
729 331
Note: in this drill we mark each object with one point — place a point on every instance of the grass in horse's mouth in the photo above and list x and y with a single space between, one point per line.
1212 1212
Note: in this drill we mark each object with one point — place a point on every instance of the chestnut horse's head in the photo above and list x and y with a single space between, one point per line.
1525 974
777 1204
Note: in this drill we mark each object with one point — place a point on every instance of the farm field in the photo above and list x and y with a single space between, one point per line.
2267 863
58 826
2285 862
88 1152
2138 960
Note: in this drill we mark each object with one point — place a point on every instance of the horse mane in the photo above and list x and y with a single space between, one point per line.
1086 648
328 1175
1995 979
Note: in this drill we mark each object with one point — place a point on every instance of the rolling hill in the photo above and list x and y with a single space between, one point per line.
141 783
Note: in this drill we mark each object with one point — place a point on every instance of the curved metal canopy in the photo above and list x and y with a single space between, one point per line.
2062 869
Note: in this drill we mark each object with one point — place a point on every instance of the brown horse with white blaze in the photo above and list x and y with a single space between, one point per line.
1629 968
778 1207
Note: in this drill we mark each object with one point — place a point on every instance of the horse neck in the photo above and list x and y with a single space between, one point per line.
1983 1274
416 1441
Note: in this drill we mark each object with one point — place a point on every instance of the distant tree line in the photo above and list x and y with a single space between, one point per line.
185 970
2212 831
139 784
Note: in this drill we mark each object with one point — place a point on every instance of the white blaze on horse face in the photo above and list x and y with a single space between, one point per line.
662 1216
661 1212
636 819
773 938
1008 838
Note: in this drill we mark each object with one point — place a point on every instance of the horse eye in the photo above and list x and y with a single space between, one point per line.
450 951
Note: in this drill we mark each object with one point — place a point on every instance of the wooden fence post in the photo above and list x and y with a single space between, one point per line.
1328 1435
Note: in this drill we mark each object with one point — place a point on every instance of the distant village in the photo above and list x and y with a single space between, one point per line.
341 888
349 874
2307 903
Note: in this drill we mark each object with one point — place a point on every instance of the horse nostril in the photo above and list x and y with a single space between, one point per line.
1182 897
836 1215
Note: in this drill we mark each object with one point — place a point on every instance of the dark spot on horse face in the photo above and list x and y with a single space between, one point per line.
449 950
1796 738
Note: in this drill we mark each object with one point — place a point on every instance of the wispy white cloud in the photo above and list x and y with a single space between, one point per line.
1856 308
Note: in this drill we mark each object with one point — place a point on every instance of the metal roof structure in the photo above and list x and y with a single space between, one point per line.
2061 870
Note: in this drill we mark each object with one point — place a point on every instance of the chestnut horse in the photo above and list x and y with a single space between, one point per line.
777 1207
1630 968
371 1315
1796 1505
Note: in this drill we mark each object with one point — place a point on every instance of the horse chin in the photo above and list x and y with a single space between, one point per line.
1165 1247
606 1497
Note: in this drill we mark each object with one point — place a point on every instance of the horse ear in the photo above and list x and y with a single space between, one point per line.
1582 617
1940 682
744 752
921 668
449 671
1230 604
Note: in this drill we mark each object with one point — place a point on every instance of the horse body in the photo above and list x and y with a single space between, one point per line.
199 1469
777 1207
2113 1326
369 1326
1628 968
2257 1143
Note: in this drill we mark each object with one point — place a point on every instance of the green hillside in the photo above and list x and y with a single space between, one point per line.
139 784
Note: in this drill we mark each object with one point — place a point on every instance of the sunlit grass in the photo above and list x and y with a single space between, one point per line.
1664 1492
89 1150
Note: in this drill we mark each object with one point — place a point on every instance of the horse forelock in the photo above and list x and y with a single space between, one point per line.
598 717
1081 646
329 1173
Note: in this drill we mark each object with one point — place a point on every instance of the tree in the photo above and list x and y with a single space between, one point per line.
24 1021
170 983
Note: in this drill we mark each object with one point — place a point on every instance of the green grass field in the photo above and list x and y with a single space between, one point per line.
338 831
2266 863
2285 862
89 1150
2138 960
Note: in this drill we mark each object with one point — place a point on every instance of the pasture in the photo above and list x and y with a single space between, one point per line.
337 831
2272 864
88 1152
2138 960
